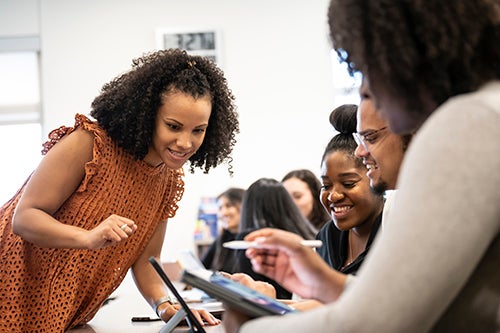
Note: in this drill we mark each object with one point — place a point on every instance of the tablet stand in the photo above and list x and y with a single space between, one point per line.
174 321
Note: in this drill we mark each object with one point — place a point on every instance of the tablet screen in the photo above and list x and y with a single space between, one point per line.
251 295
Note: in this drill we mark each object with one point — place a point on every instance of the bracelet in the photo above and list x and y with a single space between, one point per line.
160 301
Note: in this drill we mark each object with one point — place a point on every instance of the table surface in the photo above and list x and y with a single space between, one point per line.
116 315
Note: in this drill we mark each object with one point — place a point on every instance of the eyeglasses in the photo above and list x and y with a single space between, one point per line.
368 138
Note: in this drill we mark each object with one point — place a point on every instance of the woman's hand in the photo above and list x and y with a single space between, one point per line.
167 311
246 280
281 257
111 231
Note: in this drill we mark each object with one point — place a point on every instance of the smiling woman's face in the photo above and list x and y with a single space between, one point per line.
181 124
301 195
229 213
346 192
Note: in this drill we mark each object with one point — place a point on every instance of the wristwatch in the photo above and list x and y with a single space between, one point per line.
160 301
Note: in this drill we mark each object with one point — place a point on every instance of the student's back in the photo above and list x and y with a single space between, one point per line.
267 203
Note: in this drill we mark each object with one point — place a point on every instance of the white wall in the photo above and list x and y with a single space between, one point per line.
275 56
19 18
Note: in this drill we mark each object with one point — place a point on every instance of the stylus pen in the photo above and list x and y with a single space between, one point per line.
242 245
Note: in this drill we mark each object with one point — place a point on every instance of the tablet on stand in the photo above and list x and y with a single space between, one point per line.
185 311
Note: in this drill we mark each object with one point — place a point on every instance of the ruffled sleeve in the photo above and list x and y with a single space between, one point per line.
81 121
56 135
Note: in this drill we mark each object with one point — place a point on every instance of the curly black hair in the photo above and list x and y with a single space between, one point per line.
446 47
343 119
128 105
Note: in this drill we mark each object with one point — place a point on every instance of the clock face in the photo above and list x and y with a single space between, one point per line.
201 42
190 41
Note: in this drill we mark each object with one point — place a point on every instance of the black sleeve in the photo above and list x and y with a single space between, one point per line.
208 257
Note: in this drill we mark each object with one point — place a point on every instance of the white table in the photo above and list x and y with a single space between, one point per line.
116 315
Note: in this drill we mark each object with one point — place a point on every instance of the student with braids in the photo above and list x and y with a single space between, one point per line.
433 68
99 201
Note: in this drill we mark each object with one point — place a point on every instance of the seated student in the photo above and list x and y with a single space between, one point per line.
382 154
432 70
267 204
304 187
217 257
381 150
356 211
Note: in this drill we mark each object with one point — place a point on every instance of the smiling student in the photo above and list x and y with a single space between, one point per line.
217 257
356 211
99 201
433 71
382 151
304 187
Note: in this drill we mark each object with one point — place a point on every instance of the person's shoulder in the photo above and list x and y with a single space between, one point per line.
75 142
487 97
227 236
327 230
242 234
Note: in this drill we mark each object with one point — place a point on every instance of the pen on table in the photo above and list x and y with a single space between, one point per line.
141 319
243 245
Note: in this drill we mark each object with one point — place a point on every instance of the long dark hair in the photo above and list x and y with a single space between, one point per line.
319 216
233 194
267 204
223 255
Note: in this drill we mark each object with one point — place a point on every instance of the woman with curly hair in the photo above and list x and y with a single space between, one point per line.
433 68
99 201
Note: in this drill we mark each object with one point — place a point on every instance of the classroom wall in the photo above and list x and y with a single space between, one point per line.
276 56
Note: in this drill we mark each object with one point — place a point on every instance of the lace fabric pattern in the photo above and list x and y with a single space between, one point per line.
53 290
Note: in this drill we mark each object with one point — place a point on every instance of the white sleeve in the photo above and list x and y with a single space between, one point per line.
389 199
444 218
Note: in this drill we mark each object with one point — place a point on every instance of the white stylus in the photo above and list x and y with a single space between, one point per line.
243 245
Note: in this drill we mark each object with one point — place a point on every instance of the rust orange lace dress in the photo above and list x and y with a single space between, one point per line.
53 290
